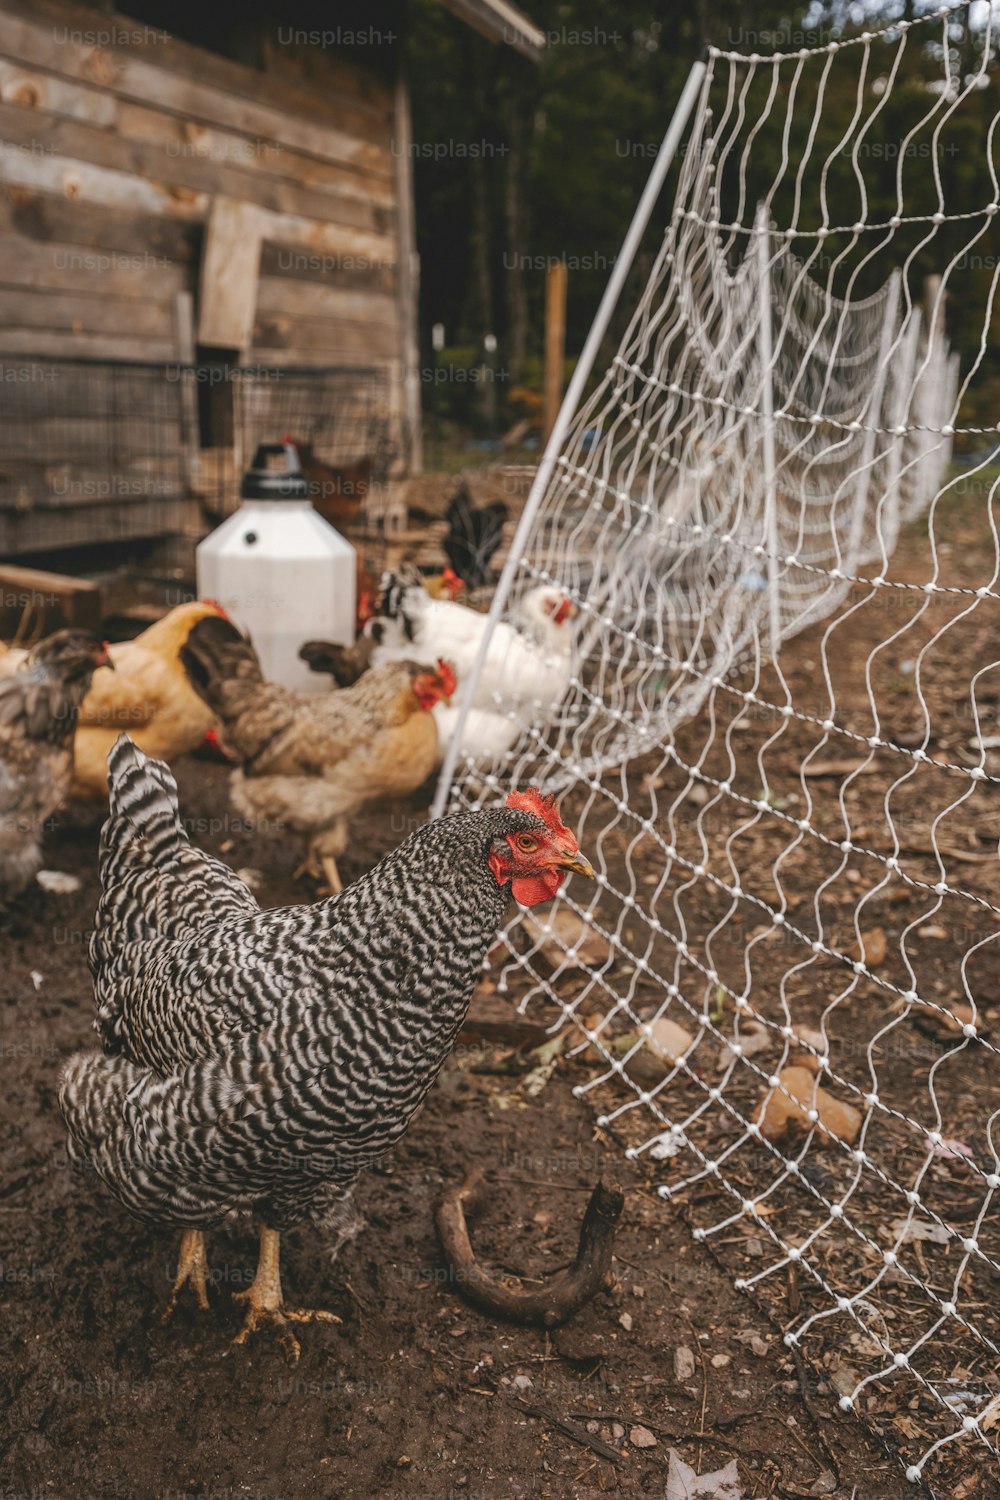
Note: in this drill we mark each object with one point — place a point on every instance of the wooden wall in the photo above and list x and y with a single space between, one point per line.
113 153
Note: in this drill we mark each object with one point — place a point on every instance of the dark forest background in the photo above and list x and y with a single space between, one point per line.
542 161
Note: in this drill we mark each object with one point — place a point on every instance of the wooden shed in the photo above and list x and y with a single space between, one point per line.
206 234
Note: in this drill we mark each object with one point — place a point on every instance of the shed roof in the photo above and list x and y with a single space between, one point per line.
501 22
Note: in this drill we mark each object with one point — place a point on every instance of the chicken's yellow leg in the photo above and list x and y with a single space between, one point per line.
333 880
266 1303
192 1270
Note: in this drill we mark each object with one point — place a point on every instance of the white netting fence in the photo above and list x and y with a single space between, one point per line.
796 848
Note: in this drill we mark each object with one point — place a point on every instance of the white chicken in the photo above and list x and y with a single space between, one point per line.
528 665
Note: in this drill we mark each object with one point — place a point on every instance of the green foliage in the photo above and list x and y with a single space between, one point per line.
570 142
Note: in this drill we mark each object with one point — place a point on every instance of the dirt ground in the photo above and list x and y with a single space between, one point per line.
415 1394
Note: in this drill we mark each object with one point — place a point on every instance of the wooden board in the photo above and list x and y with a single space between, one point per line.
128 74
229 270
54 600
72 140
345 93
73 268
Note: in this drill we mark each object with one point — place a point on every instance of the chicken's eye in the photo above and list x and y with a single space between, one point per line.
526 843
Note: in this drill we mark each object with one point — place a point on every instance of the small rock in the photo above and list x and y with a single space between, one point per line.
592 1426
626 1322
641 1437
669 1040
720 1361
753 1341
684 1365
57 882
617 1430
826 1484
786 1111
522 1382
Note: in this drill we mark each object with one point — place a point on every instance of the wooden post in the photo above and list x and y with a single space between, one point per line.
555 341
408 410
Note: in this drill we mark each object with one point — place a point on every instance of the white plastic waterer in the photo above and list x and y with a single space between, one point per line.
279 570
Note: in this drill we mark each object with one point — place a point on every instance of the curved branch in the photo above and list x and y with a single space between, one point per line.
547 1306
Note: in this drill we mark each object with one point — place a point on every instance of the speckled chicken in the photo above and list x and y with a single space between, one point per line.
307 761
259 1060
39 703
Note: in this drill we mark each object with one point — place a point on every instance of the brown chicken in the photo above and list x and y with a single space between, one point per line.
148 696
308 763
337 491
38 709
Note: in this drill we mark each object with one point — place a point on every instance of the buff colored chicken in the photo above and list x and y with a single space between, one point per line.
308 762
148 695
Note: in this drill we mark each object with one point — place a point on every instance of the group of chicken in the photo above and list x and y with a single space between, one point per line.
305 762
257 1060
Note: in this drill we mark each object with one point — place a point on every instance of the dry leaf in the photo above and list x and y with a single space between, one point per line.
753 1039
919 1230
684 1484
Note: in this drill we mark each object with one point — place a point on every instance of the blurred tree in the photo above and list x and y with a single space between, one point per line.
520 163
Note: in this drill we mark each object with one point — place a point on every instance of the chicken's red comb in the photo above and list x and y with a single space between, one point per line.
214 604
545 808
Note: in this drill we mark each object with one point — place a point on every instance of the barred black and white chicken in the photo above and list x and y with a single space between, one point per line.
259 1060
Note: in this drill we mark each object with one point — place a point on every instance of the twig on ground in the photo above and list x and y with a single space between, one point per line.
569 1429
547 1306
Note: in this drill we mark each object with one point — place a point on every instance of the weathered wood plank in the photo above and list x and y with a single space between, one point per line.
15 340
345 85
48 218
308 264
74 268
128 74
53 135
186 138
304 299
340 342
49 173
106 522
80 443
229 269
42 93
76 312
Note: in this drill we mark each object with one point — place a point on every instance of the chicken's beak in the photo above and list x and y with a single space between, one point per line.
578 864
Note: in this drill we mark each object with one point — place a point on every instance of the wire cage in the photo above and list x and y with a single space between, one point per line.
342 413
90 452
96 452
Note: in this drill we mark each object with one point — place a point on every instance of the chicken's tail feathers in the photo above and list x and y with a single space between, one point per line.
144 808
220 663
403 599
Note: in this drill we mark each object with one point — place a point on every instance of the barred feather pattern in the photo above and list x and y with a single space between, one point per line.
261 1059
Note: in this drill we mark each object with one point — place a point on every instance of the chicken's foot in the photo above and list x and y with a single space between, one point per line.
266 1304
192 1271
